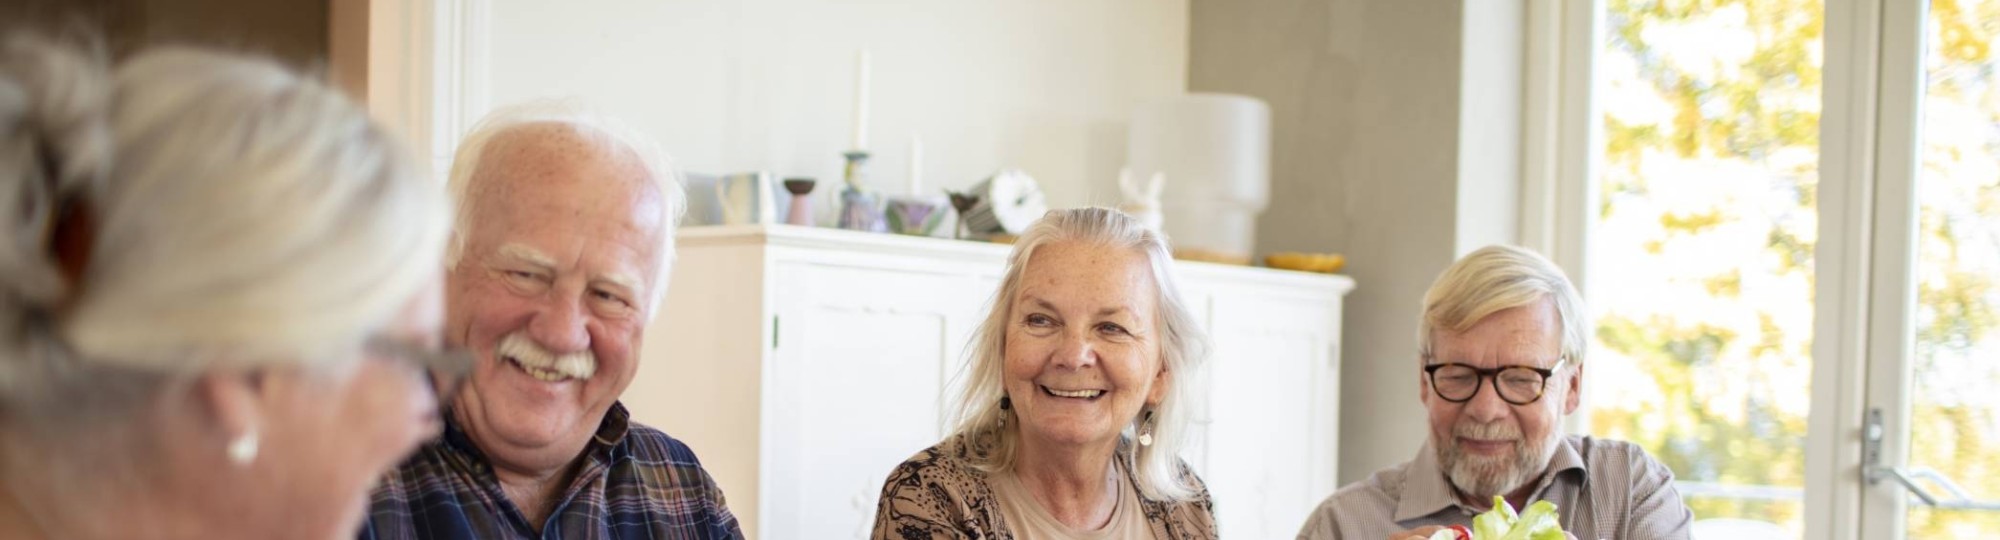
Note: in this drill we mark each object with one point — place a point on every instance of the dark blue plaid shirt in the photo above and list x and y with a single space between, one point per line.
636 482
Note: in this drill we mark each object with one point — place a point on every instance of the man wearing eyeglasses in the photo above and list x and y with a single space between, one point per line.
1502 357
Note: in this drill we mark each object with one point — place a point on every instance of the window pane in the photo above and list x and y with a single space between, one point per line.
1701 258
1954 428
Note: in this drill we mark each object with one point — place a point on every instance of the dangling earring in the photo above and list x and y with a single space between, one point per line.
1005 404
243 449
1146 429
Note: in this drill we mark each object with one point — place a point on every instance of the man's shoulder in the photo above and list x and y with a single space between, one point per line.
1385 484
649 456
424 470
660 476
1632 491
647 442
402 496
1592 445
1599 453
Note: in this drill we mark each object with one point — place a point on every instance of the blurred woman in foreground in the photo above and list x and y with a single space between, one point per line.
218 299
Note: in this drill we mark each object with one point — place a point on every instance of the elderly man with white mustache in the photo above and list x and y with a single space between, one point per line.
558 259
1502 341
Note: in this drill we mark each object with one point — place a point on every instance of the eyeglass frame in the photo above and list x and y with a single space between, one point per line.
1484 374
445 369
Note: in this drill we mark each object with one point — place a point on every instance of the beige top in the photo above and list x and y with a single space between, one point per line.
1032 522
1601 489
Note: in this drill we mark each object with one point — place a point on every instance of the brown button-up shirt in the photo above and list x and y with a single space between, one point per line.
1601 488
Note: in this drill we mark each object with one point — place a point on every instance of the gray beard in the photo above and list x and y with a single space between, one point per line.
1481 478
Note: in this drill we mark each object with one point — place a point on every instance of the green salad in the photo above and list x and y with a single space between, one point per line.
1501 523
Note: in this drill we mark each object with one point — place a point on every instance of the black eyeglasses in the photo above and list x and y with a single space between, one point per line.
1519 385
446 368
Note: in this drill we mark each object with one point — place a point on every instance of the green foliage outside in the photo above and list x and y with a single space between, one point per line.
1702 257
1957 365
1702 262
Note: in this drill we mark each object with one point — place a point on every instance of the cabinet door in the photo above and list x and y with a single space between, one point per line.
1270 440
855 387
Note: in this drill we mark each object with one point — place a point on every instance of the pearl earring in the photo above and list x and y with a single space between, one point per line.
243 449
1146 429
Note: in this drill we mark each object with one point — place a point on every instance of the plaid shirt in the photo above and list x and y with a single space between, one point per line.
635 483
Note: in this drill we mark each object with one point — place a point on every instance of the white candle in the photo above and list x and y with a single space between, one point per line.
861 100
916 166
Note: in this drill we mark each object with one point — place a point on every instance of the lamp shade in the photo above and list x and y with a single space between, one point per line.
1215 151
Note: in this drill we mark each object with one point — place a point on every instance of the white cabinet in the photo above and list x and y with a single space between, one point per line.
801 364
1273 395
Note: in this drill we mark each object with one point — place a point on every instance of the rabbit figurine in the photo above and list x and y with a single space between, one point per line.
1143 204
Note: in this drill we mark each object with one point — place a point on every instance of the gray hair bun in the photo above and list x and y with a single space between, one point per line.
55 146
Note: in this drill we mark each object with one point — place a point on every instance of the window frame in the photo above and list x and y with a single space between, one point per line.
1558 130
1864 260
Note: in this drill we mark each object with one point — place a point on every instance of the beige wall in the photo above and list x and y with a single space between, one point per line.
1379 155
1043 85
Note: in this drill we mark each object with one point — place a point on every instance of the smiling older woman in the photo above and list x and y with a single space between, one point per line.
1075 402
218 287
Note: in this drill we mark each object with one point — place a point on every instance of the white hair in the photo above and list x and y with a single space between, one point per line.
1497 278
235 214
1183 350
607 134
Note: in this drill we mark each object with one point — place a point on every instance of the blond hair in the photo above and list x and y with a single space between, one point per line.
241 215
1497 278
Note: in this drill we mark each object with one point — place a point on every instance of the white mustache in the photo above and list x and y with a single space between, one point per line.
1497 431
523 349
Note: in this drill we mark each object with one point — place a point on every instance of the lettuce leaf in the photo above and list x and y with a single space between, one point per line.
1539 522
1494 523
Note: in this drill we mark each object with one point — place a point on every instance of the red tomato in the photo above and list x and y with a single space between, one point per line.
1463 533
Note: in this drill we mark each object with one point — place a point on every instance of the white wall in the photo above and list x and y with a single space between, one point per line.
727 86
1377 154
1490 124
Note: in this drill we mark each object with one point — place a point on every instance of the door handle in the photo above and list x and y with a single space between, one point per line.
1875 472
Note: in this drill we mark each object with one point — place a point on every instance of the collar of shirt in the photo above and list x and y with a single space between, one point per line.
602 452
617 422
1426 491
